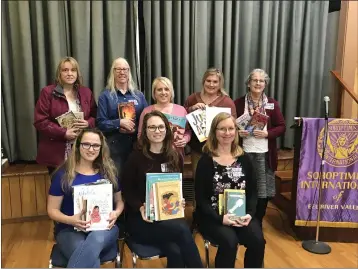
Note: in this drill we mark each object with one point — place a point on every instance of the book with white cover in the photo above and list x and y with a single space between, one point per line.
211 112
197 121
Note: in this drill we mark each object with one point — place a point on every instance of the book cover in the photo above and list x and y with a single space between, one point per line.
126 110
243 121
66 120
211 112
177 125
197 121
152 178
257 122
79 115
235 203
168 200
97 200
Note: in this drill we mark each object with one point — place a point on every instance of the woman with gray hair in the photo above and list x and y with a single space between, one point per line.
119 108
259 144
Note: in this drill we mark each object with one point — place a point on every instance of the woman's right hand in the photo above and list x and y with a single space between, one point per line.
228 222
71 133
78 223
243 133
142 210
127 124
197 106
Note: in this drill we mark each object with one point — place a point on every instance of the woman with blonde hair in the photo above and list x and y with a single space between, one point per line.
163 95
120 130
66 94
88 162
225 166
211 94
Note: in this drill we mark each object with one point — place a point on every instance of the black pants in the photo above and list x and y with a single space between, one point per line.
228 237
120 146
261 209
172 237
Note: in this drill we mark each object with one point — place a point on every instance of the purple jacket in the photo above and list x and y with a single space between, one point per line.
275 127
51 104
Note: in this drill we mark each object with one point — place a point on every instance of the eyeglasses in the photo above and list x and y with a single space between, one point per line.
154 128
95 147
225 130
258 80
121 70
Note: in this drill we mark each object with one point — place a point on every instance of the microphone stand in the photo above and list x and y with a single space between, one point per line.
315 246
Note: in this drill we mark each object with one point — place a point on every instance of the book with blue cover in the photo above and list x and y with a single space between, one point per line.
151 179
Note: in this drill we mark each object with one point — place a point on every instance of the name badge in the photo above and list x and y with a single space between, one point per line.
135 102
164 167
237 171
270 106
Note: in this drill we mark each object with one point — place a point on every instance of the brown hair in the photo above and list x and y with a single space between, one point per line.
214 72
75 64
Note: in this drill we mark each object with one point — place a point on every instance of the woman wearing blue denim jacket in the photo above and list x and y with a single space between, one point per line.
121 132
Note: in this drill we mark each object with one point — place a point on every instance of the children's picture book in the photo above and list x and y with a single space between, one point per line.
197 121
79 115
66 120
150 198
97 201
168 197
126 110
243 121
235 203
177 125
211 112
257 122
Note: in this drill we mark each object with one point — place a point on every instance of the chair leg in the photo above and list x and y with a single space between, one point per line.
134 259
50 264
121 253
206 245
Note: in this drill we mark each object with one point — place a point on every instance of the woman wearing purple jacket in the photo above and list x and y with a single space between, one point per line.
260 145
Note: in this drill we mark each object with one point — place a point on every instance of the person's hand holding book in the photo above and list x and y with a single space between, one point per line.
243 133
113 216
142 212
71 133
260 133
80 124
127 125
76 221
244 221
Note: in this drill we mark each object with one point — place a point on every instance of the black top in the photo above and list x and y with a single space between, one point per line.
212 178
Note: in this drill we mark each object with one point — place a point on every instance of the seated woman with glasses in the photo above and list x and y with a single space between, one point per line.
88 162
119 109
156 155
225 166
163 95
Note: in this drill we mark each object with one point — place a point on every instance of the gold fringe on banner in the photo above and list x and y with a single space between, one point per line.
327 224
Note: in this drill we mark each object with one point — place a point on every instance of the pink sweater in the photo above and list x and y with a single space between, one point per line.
176 111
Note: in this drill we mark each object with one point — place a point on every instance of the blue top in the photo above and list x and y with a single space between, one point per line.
67 202
107 112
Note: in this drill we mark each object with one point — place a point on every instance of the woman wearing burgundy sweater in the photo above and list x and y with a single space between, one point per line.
260 145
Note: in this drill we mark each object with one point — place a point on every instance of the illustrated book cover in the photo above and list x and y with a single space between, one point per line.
197 121
257 122
177 125
66 120
243 121
126 110
235 203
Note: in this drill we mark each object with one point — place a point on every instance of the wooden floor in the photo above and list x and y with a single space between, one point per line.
29 244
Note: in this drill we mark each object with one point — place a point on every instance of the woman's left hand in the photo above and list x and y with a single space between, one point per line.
82 124
113 216
180 143
244 221
260 133
183 203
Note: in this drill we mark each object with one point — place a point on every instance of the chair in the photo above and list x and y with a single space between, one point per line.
57 259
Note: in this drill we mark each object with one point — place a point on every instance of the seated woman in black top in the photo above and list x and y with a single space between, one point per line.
157 154
224 166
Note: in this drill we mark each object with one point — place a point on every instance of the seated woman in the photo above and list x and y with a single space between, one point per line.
88 162
172 237
224 166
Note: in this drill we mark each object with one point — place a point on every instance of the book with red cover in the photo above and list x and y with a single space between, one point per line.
257 122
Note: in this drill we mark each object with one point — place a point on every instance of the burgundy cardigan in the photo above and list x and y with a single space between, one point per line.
51 104
275 127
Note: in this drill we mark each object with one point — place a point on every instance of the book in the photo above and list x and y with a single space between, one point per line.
234 203
126 110
257 122
79 115
177 125
168 197
197 121
243 121
150 197
211 112
66 120
97 201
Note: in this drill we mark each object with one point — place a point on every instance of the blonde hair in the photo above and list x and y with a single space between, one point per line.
212 143
167 83
103 162
214 72
111 85
74 64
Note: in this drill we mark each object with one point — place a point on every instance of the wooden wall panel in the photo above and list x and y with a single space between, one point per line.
5 199
28 196
15 197
40 184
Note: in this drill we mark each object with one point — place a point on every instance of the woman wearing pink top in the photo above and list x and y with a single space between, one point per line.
163 95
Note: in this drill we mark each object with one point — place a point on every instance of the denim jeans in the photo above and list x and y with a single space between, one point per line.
83 249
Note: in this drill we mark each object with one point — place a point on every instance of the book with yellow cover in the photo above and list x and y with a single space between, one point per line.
66 120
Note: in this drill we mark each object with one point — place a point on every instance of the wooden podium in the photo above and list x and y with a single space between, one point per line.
326 234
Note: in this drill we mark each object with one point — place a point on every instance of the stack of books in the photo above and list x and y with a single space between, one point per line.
232 202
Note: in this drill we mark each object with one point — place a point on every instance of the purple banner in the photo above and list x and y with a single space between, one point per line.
339 199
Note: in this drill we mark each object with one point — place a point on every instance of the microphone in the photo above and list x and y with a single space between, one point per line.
326 100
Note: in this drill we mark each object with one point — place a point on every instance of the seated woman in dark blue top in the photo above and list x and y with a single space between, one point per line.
225 166
121 132
88 162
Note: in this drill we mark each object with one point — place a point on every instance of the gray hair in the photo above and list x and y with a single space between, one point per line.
260 71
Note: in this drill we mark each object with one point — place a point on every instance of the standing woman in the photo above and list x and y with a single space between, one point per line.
156 155
121 134
67 94
225 166
261 146
88 162
163 95
211 94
